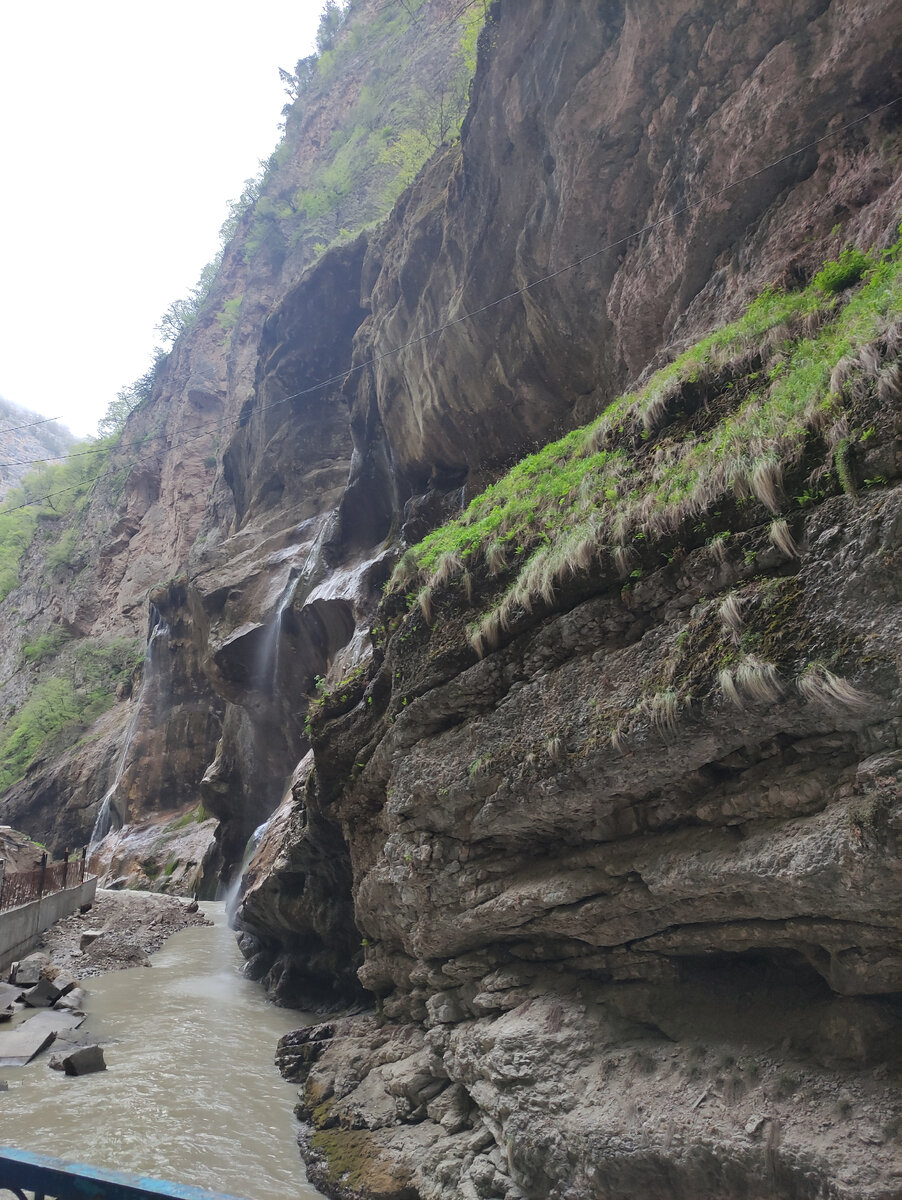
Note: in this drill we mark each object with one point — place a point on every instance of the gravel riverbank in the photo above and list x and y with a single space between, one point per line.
130 926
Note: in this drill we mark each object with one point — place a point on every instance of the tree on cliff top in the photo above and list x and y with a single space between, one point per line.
330 23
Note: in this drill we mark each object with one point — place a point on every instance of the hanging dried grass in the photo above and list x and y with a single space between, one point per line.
618 738
767 482
624 558
751 682
781 537
405 573
663 709
730 613
841 373
495 558
889 385
448 567
822 687
424 600
870 360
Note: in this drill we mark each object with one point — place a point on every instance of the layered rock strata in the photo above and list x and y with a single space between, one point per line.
624 937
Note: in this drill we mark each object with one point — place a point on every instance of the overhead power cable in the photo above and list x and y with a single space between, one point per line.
30 425
341 377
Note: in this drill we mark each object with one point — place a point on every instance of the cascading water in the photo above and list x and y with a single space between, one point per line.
233 891
267 672
266 675
109 816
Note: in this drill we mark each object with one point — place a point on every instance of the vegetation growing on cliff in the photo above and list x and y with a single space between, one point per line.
61 706
405 106
786 375
47 494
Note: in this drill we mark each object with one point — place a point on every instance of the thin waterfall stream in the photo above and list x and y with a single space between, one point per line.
190 1092
109 815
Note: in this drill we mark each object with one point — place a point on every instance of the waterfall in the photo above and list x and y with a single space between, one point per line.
232 892
267 670
109 816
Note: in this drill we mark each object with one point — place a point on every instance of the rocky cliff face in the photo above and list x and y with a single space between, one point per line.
197 519
600 807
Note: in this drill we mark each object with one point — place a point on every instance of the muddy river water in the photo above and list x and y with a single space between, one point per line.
190 1092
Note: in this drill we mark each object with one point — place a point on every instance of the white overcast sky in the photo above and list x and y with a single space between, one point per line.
125 127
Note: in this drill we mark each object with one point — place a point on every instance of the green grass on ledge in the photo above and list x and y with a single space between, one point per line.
614 482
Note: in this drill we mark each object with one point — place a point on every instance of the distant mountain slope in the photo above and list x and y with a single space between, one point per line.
24 437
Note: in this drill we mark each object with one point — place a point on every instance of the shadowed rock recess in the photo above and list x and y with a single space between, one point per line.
545 670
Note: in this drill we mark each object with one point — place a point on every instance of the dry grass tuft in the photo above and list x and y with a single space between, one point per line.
467 581
476 640
730 613
869 358
618 738
751 682
717 548
405 573
624 560
766 482
781 537
889 385
556 750
777 335
837 432
657 404
449 566
663 709
496 558
841 373
822 687
424 600
892 339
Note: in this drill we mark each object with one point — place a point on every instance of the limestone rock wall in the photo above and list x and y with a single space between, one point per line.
616 947
667 963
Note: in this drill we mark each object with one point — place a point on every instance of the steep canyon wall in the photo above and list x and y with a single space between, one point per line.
610 836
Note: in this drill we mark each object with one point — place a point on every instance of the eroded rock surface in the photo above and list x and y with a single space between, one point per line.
671 969
623 940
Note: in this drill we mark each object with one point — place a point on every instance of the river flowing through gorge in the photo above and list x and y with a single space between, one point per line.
190 1092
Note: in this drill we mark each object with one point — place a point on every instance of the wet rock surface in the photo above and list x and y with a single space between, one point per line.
669 968
620 946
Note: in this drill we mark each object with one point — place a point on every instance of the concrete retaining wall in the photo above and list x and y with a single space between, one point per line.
21 927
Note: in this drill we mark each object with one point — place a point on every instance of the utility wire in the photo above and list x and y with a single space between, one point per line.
30 425
468 316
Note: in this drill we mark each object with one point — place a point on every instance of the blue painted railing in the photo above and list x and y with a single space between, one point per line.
45 1178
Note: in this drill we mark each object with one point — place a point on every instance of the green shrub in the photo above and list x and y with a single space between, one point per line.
52 706
836 276
65 552
59 708
47 645
228 316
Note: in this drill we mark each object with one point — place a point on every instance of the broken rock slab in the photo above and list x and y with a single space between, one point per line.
9 994
61 980
89 936
44 995
73 1001
83 1061
20 1045
27 973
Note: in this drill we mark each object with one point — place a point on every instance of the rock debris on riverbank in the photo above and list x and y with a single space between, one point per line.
130 927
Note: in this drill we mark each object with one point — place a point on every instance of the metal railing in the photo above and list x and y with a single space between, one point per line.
21 887
36 1177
